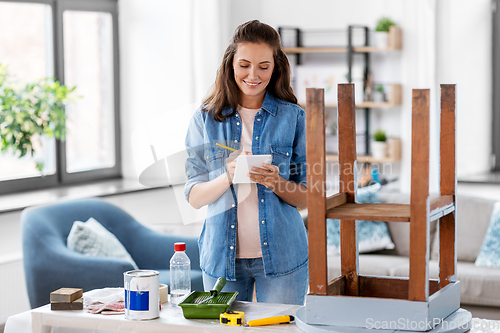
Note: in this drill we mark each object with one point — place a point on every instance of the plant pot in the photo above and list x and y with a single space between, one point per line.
381 39
378 97
379 150
331 144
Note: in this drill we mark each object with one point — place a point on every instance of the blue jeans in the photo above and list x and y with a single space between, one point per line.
285 289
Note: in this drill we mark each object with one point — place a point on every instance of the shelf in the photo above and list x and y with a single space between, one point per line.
360 49
394 44
395 100
371 212
369 105
364 105
362 159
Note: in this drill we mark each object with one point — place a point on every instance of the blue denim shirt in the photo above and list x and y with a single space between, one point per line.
278 130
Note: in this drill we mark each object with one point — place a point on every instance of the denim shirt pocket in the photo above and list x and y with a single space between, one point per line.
216 161
281 157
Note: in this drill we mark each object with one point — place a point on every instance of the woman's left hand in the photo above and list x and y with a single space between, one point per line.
268 175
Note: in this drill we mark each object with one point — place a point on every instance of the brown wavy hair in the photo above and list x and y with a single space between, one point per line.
225 91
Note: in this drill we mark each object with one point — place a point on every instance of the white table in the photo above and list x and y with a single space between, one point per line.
43 320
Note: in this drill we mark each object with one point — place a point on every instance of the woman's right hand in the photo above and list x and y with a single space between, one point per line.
231 163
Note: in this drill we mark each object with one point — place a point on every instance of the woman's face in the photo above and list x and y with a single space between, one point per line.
253 66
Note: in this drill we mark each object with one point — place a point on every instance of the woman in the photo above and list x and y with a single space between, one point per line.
253 233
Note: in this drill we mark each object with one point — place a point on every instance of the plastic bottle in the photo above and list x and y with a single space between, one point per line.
180 274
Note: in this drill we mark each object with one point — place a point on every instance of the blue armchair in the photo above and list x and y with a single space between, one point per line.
50 265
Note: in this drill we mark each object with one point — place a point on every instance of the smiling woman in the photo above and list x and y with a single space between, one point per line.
253 67
253 235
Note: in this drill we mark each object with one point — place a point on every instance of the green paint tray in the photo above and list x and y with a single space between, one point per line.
219 302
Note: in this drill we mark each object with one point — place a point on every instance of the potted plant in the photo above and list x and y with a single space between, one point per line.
379 145
381 97
29 112
382 32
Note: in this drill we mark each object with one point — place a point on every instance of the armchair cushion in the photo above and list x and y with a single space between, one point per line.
92 239
490 250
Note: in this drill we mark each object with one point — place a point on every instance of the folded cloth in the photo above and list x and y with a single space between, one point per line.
106 301
105 296
113 308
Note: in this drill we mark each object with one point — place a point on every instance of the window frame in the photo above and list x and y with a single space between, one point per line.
61 177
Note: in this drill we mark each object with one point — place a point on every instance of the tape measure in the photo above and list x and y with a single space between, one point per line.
234 318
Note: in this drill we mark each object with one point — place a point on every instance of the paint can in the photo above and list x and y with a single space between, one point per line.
142 299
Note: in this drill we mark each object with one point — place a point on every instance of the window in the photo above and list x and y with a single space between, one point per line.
77 43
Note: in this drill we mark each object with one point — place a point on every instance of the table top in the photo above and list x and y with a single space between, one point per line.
171 319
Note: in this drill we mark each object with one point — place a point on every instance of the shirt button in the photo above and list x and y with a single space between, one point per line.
237 123
263 222
232 227
265 243
256 138
207 157
235 141
233 205
261 200
258 119
286 154
231 247
237 115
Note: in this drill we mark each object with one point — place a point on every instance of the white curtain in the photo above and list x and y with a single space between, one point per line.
419 72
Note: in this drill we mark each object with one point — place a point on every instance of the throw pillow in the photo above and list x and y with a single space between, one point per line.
489 256
93 239
372 235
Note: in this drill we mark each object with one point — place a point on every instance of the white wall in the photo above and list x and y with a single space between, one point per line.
169 54
465 58
439 46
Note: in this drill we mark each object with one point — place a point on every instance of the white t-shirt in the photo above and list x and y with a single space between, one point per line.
248 241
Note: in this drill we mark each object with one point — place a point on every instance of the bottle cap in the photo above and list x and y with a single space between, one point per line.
180 246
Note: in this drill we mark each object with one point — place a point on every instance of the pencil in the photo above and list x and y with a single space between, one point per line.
271 320
229 148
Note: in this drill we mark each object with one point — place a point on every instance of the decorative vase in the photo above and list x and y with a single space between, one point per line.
381 39
379 150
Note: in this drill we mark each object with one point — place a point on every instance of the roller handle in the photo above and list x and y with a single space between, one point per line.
219 284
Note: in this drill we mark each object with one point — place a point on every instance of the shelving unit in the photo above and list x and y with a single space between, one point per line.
351 299
394 44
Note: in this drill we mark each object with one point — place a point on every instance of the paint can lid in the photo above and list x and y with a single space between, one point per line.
180 246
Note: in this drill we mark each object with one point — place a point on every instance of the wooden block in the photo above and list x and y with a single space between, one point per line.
419 214
396 93
395 38
447 225
337 286
75 305
371 212
336 200
67 295
394 149
316 190
347 184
